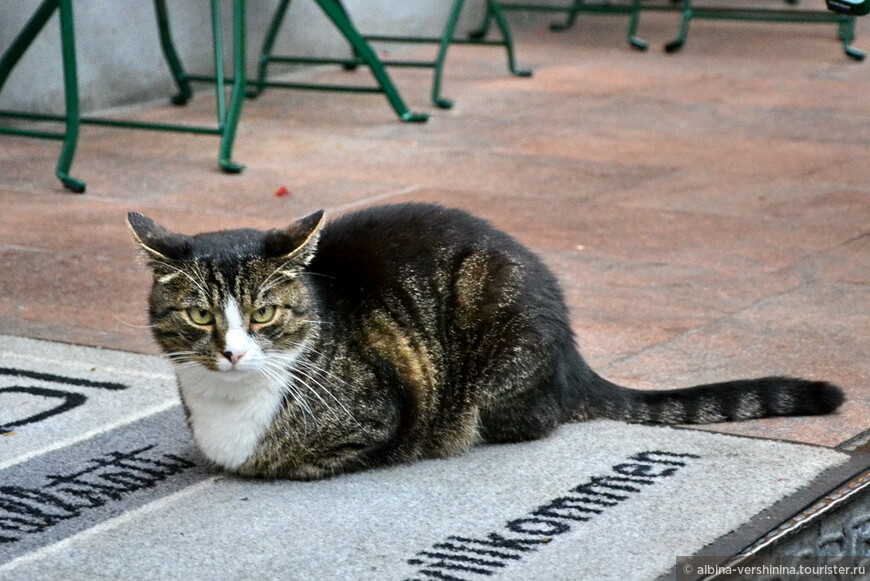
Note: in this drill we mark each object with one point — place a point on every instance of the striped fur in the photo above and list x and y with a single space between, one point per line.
399 332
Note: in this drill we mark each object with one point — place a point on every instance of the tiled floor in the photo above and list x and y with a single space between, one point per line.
707 212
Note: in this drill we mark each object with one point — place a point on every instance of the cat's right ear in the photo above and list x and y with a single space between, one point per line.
158 243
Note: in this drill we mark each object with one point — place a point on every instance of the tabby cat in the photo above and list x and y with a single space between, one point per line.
387 335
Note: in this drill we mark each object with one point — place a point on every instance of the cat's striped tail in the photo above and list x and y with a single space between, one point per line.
721 402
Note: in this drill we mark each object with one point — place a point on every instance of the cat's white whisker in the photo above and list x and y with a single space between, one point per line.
195 282
311 390
277 271
276 376
185 365
320 274
275 373
322 386
123 322
316 368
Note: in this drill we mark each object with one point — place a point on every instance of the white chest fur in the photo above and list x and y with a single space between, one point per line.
228 415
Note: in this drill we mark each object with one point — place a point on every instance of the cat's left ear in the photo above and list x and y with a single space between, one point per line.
298 241
159 244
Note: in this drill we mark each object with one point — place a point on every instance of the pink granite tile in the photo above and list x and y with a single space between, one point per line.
74 298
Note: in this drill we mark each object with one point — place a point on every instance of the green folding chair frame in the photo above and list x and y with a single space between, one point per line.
362 54
633 9
228 112
845 24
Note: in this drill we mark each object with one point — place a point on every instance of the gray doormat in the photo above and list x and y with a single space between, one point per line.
99 480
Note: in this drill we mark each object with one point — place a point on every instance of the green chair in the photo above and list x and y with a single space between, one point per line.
335 11
364 56
633 9
845 24
228 112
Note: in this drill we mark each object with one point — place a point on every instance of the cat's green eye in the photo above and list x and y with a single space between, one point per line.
264 314
200 316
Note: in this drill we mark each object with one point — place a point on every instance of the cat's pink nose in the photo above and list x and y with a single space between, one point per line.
234 356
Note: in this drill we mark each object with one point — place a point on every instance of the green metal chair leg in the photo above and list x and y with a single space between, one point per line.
571 19
356 57
25 38
268 48
70 85
181 81
446 38
843 31
846 32
633 22
338 16
228 114
678 42
220 85
504 27
229 117
483 28
70 80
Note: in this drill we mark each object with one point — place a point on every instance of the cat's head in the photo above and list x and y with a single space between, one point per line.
232 301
